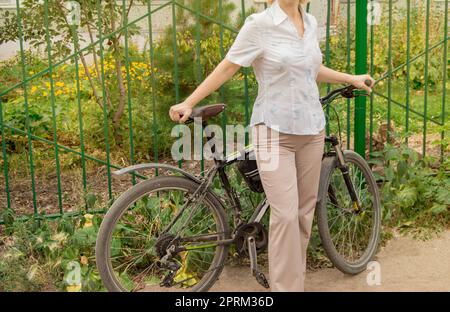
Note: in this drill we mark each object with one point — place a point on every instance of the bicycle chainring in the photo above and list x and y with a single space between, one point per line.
255 229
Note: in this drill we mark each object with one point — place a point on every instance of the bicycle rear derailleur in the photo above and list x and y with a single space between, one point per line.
166 249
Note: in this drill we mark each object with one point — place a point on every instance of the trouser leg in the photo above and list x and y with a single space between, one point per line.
278 176
308 160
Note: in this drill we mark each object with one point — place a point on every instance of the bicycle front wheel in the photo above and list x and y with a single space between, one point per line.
154 220
350 238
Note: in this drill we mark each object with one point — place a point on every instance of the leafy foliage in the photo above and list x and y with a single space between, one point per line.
119 65
338 46
414 194
37 254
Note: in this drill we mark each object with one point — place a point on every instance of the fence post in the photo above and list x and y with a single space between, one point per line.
360 68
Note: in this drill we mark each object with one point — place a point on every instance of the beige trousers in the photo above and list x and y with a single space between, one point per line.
289 166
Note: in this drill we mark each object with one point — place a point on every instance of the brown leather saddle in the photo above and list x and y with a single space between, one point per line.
206 111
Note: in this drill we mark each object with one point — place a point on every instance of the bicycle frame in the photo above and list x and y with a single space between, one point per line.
219 168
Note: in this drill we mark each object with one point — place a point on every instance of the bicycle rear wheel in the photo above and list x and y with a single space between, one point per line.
350 239
131 241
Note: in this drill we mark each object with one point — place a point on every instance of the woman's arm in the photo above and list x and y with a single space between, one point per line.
329 75
222 73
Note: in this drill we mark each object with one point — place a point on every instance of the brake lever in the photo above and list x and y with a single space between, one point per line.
188 121
349 91
351 95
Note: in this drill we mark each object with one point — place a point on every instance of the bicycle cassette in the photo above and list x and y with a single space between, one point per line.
164 242
254 229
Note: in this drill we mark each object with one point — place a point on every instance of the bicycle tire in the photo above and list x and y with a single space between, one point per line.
328 166
102 249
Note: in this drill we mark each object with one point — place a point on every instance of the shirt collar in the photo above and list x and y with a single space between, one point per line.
279 15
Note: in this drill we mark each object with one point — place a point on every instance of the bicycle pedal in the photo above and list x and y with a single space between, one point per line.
262 280
260 277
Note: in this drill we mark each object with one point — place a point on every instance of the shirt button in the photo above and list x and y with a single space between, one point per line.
292 82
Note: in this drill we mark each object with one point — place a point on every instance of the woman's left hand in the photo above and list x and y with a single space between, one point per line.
359 82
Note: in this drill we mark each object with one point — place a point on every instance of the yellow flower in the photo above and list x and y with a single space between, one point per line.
73 288
60 84
33 89
88 222
45 94
84 260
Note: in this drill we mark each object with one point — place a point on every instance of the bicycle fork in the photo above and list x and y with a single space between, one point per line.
356 203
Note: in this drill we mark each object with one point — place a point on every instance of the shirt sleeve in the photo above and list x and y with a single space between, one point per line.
246 47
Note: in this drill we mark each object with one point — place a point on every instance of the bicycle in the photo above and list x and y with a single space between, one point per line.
172 232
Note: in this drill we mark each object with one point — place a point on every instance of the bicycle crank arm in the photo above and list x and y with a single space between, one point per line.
260 277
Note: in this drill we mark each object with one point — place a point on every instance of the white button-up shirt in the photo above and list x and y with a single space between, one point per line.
285 66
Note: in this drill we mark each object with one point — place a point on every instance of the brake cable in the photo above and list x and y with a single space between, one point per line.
337 118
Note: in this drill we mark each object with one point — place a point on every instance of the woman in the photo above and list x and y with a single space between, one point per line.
288 124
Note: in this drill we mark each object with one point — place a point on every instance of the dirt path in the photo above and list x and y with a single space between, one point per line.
406 265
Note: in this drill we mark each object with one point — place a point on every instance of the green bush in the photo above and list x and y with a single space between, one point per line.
40 255
414 195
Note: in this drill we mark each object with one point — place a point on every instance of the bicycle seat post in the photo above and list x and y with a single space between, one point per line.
208 138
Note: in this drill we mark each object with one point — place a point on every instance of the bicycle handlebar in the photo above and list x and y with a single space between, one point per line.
346 92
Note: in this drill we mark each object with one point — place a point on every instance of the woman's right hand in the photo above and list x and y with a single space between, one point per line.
180 112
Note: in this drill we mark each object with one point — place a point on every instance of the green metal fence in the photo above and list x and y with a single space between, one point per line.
37 162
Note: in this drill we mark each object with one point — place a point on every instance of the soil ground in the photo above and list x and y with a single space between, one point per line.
406 264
